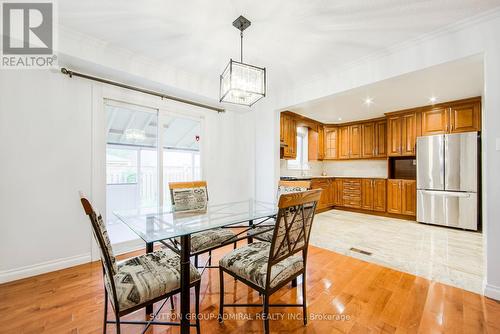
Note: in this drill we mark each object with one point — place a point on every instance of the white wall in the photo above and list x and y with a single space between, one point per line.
52 143
476 36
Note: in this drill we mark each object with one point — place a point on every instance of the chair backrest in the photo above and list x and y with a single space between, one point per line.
189 196
293 225
101 236
292 186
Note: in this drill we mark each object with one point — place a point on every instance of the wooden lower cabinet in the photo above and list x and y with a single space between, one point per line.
409 197
367 194
373 194
325 200
402 197
379 195
337 192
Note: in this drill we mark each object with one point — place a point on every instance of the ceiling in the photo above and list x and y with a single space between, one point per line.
446 82
294 39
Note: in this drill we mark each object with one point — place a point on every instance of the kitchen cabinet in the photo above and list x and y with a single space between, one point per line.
325 200
330 142
373 194
402 196
465 117
402 134
355 141
409 134
434 121
394 136
380 138
321 142
337 192
367 194
379 195
452 118
343 142
409 197
368 140
288 127
394 196
315 149
351 193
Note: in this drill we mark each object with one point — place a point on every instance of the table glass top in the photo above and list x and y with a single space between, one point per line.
160 223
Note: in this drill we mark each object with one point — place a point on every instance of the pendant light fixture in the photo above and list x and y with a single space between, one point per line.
242 83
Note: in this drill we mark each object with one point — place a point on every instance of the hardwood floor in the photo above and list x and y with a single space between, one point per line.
345 295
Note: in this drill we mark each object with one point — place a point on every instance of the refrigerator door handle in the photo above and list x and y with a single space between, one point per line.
446 193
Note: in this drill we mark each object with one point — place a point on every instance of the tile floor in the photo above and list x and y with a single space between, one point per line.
445 255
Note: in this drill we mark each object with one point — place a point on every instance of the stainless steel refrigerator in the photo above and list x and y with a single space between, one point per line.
447 180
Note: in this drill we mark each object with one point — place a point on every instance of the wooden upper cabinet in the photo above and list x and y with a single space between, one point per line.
394 200
453 117
368 140
321 142
434 121
343 142
408 134
465 117
289 127
379 195
409 197
355 143
313 145
380 139
330 142
394 135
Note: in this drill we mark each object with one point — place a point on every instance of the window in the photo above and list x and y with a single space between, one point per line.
133 163
300 161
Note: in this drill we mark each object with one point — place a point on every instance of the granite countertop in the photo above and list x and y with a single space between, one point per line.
328 177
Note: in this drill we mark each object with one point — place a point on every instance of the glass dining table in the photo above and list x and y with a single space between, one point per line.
158 224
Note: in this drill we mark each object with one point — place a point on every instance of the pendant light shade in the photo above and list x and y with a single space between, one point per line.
242 83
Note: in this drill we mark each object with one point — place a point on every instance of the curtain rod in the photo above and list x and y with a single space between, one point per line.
137 89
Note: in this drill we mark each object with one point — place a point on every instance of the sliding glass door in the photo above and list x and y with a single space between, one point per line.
181 150
138 169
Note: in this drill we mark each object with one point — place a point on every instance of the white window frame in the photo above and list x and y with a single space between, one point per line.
163 108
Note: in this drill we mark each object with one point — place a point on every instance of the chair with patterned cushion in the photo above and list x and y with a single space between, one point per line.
263 230
267 267
193 197
139 281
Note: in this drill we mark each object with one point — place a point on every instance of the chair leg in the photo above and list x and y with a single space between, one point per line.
105 312
197 307
209 258
172 305
221 293
304 299
294 282
196 261
235 245
118 327
265 315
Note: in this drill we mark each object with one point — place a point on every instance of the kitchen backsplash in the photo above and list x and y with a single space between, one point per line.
350 168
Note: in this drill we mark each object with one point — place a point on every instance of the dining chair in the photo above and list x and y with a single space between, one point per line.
139 281
193 197
263 230
267 267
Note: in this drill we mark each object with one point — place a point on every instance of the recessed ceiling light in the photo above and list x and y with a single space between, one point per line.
340 118
433 99
368 101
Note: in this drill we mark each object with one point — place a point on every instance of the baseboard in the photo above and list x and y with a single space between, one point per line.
128 246
58 264
492 291
42 268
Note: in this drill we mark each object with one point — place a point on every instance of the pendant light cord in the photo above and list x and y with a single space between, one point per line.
241 45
